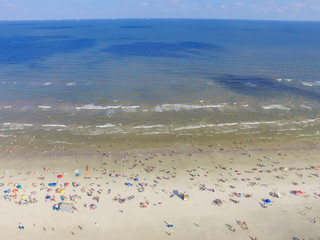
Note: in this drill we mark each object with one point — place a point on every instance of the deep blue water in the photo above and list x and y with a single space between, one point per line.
60 70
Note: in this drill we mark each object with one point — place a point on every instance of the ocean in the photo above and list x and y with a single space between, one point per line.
160 77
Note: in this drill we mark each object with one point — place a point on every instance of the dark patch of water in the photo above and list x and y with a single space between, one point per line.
159 49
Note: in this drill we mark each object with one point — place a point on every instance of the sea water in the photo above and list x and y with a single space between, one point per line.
160 76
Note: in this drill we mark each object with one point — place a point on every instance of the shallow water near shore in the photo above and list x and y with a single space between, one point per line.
159 77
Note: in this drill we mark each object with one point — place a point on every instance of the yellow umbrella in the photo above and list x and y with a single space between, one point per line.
24 196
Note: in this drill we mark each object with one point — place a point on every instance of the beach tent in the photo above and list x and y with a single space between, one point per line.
185 196
66 207
278 195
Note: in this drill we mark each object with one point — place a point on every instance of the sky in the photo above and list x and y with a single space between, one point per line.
110 9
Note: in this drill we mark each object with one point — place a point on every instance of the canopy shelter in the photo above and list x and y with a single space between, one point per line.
65 207
185 196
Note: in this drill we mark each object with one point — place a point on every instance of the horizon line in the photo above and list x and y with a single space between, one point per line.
159 18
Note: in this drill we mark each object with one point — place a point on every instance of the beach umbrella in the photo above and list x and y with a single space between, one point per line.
48 197
62 191
14 196
14 190
60 176
78 175
66 184
93 206
267 201
18 186
24 196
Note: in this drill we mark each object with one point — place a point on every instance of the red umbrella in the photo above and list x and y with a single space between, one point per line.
300 192
60 176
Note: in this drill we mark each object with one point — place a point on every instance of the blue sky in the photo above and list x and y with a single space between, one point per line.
216 9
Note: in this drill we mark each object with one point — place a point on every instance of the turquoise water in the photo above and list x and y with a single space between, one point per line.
159 76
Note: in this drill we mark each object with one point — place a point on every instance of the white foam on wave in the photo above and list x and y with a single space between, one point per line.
97 107
304 106
15 126
151 126
9 82
196 127
223 125
310 120
275 106
284 79
71 84
308 84
107 125
257 123
155 133
47 84
27 124
129 108
101 131
226 124
55 125
178 107
289 129
44 107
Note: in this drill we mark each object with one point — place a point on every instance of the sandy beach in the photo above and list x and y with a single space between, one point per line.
269 192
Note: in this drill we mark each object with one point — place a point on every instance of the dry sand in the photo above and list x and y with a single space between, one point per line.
158 178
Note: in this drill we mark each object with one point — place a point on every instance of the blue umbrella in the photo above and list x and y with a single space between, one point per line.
268 201
48 197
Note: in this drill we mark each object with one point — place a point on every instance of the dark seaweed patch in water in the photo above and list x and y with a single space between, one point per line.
263 87
15 50
158 49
